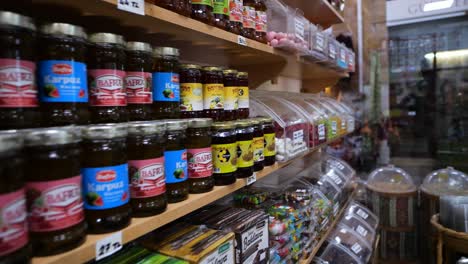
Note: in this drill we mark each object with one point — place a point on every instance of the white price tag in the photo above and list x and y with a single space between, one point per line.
252 179
356 248
361 230
132 6
241 41
362 214
109 245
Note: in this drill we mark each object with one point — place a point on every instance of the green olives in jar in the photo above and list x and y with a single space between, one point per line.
244 138
224 149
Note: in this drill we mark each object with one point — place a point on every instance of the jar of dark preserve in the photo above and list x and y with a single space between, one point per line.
202 10
182 7
105 177
18 99
106 74
213 93
269 137
199 156
175 161
235 17
138 81
62 80
261 21
53 184
166 88
244 138
191 91
231 95
258 145
243 82
145 144
13 222
221 13
248 19
224 149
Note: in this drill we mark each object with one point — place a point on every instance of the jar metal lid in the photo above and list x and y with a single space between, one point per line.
165 51
175 124
146 127
224 125
243 123
104 131
63 29
51 136
10 140
230 71
190 66
212 68
107 38
139 46
200 122
242 74
15 19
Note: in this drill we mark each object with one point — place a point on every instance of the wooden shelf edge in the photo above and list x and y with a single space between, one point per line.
337 13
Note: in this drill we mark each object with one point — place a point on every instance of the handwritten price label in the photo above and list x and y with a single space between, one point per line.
242 41
108 245
252 179
133 6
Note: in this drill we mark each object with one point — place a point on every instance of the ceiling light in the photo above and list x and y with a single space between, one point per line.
438 5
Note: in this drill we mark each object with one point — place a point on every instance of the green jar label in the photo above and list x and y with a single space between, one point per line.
202 2
221 7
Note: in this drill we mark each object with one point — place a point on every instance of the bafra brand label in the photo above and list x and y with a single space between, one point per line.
147 177
139 88
13 224
17 83
107 88
200 163
54 205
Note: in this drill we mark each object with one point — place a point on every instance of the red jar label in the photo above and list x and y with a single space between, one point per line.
106 88
54 205
13 224
200 163
261 21
248 16
17 83
147 177
138 86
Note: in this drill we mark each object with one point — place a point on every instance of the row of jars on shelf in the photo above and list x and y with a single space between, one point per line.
64 182
104 79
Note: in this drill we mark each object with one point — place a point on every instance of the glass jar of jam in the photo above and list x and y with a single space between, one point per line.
248 19
182 7
145 144
106 74
166 89
235 17
13 223
213 93
105 177
53 184
191 91
243 82
175 161
244 138
221 13
202 10
18 98
200 163
138 81
62 80
231 95
269 137
258 145
224 149
261 21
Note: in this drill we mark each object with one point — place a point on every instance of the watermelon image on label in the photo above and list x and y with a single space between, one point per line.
51 91
168 93
94 199
179 173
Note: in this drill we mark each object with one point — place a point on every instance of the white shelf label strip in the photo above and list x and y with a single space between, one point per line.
132 6
109 245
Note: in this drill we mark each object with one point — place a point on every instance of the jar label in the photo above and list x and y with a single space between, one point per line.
146 177
261 21
191 97
235 10
231 98
54 205
221 7
270 147
17 83
62 81
213 96
175 165
224 158
258 146
166 87
13 224
138 86
245 154
321 132
200 163
243 97
202 2
106 87
248 16
105 187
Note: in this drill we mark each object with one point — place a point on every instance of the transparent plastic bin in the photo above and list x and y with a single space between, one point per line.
390 179
359 226
332 53
348 116
318 46
334 118
351 61
342 57
352 242
337 254
364 213
447 181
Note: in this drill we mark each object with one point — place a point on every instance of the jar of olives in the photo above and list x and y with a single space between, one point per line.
213 93
258 145
202 10
243 82
269 137
244 138
224 149
191 91
231 95
166 88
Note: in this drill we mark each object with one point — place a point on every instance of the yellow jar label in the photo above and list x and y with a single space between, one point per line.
245 154
224 158
213 96
191 97
270 149
231 98
243 97
258 145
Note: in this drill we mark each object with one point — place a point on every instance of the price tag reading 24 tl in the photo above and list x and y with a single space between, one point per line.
132 6
109 245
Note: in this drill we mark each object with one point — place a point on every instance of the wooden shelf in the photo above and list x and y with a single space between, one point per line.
318 11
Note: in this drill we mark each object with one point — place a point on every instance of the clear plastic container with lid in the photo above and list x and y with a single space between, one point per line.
318 45
359 226
363 213
342 59
345 111
447 181
337 254
334 123
390 179
352 242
